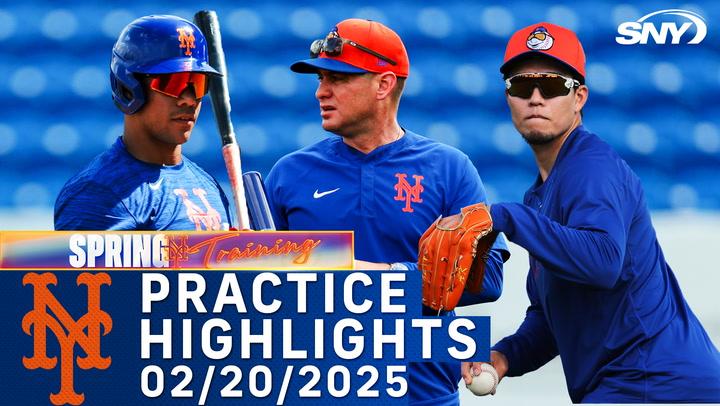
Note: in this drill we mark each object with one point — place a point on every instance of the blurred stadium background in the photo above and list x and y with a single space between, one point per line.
657 105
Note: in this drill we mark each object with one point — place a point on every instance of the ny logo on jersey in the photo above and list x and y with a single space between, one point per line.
187 39
68 331
210 218
408 193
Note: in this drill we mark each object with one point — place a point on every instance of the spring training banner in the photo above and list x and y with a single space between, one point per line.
159 336
285 250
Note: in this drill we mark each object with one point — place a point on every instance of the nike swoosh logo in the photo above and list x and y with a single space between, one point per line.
156 185
318 195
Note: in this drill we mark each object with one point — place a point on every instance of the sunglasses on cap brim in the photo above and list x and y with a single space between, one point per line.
174 84
333 47
550 84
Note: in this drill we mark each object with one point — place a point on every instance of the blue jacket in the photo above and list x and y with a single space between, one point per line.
389 197
601 294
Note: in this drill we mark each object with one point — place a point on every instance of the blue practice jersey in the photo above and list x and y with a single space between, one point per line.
601 294
118 192
389 197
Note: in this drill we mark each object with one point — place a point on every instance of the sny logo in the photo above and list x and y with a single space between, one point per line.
407 192
187 40
37 322
640 31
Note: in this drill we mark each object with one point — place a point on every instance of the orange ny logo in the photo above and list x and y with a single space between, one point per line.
178 252
208 218
187 40
407 192
67 331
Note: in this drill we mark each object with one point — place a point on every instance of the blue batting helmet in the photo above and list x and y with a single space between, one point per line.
154 45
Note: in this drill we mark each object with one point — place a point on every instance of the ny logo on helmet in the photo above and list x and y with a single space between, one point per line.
187 39
68 332
408 193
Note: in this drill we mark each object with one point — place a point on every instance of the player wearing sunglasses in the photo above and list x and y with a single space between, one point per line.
158 74
601 294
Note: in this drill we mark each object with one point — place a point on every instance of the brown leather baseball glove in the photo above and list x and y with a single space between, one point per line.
452 256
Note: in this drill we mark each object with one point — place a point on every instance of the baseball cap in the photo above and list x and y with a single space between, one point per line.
363 42
548 40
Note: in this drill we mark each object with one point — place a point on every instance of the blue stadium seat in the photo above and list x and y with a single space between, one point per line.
656 185
706 183
508 182
663 92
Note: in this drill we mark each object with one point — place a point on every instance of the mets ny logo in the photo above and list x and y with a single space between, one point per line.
85 332
408 193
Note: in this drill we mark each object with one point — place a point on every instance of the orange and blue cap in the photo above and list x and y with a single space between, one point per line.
356 34
548 40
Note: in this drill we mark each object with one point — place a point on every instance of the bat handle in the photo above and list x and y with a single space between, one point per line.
258 206
231 154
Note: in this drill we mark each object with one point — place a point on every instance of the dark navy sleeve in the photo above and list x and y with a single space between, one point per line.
92 207
470 190
590 248
275 202
533 345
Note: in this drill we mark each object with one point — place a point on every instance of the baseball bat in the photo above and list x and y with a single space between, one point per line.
208 23
260 215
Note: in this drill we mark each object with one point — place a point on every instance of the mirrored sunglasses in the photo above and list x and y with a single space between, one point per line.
333 46
174 84
550 84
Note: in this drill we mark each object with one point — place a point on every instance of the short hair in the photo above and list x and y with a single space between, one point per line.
397 91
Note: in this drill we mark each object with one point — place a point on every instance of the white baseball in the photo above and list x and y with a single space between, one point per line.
486 382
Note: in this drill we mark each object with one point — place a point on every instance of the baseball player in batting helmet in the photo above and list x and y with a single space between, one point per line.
158 74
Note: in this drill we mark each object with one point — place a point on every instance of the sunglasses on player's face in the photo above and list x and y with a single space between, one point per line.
174 84
550 84
333 46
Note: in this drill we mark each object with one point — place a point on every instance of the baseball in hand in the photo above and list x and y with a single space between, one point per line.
486 382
